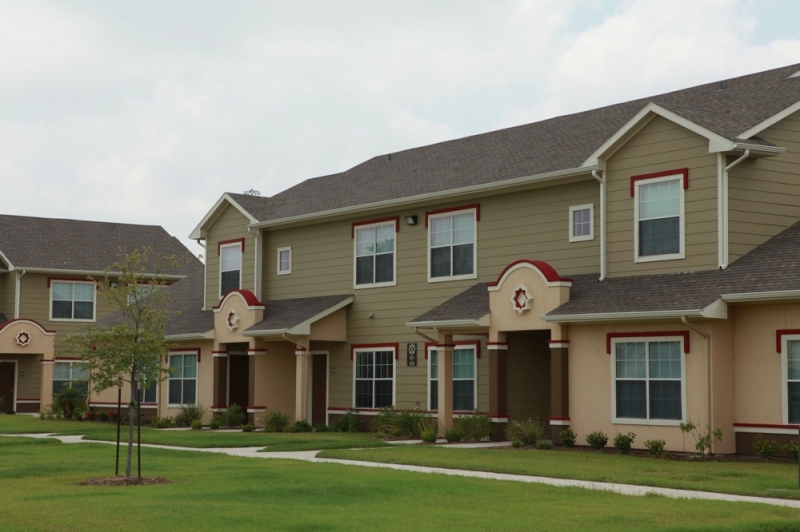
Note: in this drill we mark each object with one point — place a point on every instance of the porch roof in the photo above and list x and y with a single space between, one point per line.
470 307
289 315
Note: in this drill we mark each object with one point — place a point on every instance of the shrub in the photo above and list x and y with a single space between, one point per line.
623 442
655 447
790 449
197 424
189 414
42 415
102 415
90 416
703 440
248 427
401 423
68 400
597 440
321 427
78 416
214 424
275 421
429 435
452 435
347 423
516 444
474 427
544 445
300 425
11 412
234 416
766 448
527 432
568 437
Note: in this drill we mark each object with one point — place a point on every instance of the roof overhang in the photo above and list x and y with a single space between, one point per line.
301 329
208 335
199 232
716 310
758 297
774 119
481 322
100 273
8 262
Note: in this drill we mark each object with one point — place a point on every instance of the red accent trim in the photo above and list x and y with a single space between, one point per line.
34 322
196 350
765 426
114 403
554 418
476 343
476 206
779 334
62 359
496 343
231 241
218 352
353 348
249 298
558 341
683 171
395 219
548 271
70 279
251 407
684 334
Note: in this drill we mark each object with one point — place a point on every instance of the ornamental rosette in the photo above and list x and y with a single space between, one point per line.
23 338
521 299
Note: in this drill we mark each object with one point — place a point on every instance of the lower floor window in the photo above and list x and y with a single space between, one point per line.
463 379
183 380
70 375
147 392
793 380
374 379
648 382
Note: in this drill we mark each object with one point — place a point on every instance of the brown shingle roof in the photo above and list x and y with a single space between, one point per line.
286 313
470 305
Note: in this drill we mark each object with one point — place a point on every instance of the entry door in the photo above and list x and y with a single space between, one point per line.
319 389
7 372
239 383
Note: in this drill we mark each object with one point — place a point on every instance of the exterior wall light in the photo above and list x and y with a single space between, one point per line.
411 220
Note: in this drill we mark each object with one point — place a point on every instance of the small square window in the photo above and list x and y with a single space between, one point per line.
284 261
581 223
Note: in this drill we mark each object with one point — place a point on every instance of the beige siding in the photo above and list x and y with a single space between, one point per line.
764 194
662 145
8 286
29 384
229 225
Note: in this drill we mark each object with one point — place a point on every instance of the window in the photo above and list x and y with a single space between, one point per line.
284 261
183 381
141 293
148 393
659 230
581 223
375 252
453 253
648 381
70 374
792 351
463 379
374 378
230 268
72 300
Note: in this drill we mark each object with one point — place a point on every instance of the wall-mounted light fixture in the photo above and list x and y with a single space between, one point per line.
411 220
113 284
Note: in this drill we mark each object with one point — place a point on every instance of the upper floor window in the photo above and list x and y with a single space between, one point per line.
659 212
375 255
581 223
230 267
284 261
72 300
183 380
70 375
453 253
374 378
792 381
464 379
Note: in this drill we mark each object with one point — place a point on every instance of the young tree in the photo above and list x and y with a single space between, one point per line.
127 347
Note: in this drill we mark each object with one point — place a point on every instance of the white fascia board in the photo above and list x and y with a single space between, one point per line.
760 149
199 231
259 334
717 310
304 328
624 316
8 262
774 119
450 324
99 273
778 295
451 194
208 335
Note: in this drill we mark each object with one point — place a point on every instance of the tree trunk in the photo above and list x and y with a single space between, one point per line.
131 416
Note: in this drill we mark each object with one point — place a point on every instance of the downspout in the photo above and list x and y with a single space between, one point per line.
710 386
205 271
18 287
725 209
602 181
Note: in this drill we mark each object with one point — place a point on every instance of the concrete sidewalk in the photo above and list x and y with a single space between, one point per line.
311 456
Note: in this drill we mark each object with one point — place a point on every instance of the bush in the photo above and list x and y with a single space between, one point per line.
162 422
11 412
78 416
766 448
102 415
452 435
516 444
527 432
597 440
474 427
544 445
300 425
275 421
234 416
655 447
429 435
790 449
68 400
189 414
703 439
214 424
90 416
248 427
568 437
347 423
623 442
197 424
321 427
402 423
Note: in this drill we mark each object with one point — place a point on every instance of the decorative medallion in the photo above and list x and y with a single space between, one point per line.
23 338
521 299
232 319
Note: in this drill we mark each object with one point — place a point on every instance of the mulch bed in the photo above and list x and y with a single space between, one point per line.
122 481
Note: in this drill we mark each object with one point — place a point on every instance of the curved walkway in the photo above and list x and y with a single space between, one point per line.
311 456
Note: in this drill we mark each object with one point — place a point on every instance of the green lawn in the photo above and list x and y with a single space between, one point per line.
193 438
215 492
744 478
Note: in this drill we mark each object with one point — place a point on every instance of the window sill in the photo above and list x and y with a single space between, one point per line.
285 273
452 278
581 238
374 285
73 320
656 258
651 422
179 406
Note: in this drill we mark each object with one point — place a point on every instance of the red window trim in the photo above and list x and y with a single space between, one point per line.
231 241
185 350
476 206
649 334
681 171
353 348
71 280
765 426
395 219
475 343
779 334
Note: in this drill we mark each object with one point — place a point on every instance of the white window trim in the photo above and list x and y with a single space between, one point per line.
474 274
393 282
785 375
241 265
94 301
634 421
590 236
284 272
158 389
196 379
394 374
70 362
682 223
474 349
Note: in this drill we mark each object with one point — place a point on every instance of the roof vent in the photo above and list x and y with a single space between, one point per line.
721 86
795 75
252 192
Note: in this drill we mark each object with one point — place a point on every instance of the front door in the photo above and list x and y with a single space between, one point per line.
7 373
319 389
239 383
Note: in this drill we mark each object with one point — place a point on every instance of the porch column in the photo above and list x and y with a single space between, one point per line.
302 376
46 393
497 383
445 368
220 395
559 387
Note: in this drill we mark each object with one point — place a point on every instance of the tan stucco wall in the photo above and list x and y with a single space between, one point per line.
37 383
275 378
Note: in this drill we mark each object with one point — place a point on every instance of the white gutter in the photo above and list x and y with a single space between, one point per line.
723 239
602 182
444 194
778 295
482 322
209 335
87 273
715 310
17 290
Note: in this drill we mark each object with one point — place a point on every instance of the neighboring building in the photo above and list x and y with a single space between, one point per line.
46 294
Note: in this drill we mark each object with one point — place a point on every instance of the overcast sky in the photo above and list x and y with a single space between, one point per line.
146 112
